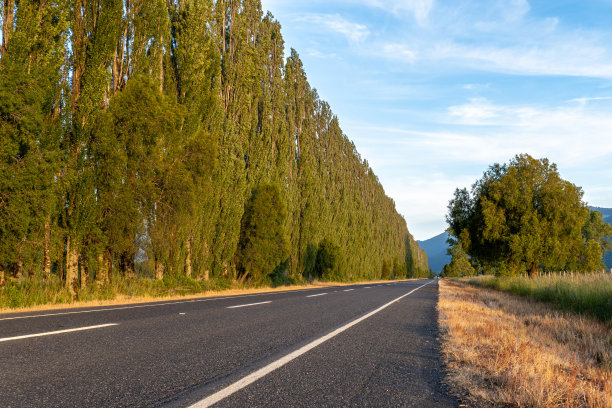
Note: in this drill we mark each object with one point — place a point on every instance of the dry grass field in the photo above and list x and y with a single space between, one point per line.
501 350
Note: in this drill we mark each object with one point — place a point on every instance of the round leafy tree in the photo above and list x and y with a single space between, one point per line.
524 216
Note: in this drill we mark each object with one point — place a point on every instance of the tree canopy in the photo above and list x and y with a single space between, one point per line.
523 216
133 135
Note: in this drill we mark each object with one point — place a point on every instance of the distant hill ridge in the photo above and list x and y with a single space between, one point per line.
436 247
607 216
436 251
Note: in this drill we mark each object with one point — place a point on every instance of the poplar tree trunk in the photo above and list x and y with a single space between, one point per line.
7 27
102 272
207 271
188 260
71 267
19 270
2 273
161 65
533 269
83 274
127 266
79 53
159 271
46 250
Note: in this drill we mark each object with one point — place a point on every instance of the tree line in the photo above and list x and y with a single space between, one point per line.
174 138
523 218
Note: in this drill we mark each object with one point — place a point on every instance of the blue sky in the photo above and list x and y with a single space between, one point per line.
432 92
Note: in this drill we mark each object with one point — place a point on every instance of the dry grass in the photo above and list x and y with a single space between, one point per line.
124 300
501 350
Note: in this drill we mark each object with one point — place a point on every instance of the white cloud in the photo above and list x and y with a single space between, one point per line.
318 54
355 33
572 135
495 36
421 169
400 52
420 9
575 57
582 102
479 111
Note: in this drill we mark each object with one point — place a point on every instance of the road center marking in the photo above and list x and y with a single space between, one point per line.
27 336
318 294
251 378
249 304
347 290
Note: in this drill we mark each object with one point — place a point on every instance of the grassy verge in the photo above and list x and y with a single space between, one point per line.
503 350
35 294
588 294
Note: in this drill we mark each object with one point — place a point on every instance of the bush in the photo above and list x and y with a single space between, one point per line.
326 265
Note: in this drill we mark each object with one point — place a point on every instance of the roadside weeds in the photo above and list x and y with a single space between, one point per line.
127 300
501 350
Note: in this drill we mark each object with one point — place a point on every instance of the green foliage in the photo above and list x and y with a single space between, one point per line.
386 270
459 265
522 216
263 241
599 231
326 265
175 140
30 76
588 294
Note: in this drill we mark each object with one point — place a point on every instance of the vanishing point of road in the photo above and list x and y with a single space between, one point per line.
342 346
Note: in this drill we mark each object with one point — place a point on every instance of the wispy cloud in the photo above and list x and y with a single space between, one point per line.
421 9
500 36
556 58
414 165
573 135
321 55
354 32
400 52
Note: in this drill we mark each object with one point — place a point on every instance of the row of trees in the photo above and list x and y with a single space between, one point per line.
523 217
173 137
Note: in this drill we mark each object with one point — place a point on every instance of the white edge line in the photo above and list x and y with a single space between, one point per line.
111 308
150 305
251 378
27 336
318 294
249 304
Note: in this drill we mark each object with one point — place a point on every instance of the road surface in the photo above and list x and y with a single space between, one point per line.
361 345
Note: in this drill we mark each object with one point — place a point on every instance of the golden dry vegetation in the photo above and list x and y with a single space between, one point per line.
125 299
501 350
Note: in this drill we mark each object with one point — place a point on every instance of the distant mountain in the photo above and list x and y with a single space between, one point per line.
436 251
607 216
606 212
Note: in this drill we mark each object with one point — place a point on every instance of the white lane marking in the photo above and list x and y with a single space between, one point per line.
249 304
251 378
318 294
151 305
367 287
27 336
347 290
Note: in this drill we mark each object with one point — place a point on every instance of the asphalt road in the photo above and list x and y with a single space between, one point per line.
359 346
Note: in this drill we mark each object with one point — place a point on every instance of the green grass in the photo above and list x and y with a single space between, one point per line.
35 291
586 294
